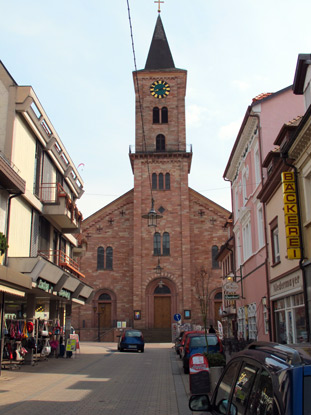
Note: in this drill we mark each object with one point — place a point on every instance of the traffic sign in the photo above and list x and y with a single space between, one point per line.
177 317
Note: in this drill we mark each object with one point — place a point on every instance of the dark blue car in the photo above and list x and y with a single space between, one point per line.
131 339
263 379
196 343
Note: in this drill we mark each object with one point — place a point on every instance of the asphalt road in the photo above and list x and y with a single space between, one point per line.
99 380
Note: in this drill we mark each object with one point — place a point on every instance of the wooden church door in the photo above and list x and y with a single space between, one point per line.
162 307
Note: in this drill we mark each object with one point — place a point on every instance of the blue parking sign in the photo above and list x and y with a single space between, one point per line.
177 317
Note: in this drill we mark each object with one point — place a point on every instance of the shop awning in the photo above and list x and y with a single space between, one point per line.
9 290
14 279
51 278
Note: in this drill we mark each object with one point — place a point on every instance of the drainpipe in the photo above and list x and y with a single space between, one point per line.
284 156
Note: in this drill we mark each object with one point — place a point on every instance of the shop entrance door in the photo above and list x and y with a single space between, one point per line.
105 315
162 312
290 327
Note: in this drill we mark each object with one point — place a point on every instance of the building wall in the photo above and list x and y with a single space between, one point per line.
275 209
24 150
20 228
275 112
4 99
118 282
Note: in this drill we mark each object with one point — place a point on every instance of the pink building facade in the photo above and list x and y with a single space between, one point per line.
262 123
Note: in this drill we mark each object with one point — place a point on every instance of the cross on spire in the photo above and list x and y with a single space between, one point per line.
159 5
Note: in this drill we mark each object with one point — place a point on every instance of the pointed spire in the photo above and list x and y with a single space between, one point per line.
159 56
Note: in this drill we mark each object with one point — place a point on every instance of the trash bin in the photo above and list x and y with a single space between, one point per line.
199 377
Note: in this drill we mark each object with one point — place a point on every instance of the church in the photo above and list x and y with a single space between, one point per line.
144 275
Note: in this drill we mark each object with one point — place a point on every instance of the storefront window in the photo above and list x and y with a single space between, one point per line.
300 325
280 327
241 323
290 319
252 323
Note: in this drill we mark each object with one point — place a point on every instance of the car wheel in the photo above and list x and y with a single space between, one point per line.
142 350
121 349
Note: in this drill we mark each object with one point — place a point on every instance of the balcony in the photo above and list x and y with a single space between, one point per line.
62 260
169 148
58 207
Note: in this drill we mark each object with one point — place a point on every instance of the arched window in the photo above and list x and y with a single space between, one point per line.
154 181
160 142
156 244
104 297
215 263
218 296
166 243
164 115
156 115
167 181
162 290
109 257
100 257
161 184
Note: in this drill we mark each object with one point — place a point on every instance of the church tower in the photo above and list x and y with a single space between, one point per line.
161 164
142 275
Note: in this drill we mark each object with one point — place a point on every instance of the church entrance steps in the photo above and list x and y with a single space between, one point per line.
162 335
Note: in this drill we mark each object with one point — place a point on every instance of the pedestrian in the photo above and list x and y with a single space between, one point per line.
211 329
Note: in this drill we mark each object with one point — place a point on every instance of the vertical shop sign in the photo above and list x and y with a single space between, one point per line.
291 215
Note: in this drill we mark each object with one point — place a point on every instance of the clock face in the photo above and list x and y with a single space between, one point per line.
160 89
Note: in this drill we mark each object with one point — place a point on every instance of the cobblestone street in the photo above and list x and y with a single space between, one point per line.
99 380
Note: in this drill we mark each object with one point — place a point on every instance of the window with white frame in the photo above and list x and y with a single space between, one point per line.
244 187
257 165
274 232
241 323
252 322
236 202
266 319
260 226
247 240
306 174
238 249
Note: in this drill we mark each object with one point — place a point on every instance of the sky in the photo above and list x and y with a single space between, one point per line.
77 55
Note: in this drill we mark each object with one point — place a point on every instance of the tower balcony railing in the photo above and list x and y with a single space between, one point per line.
58 205
64 261
169 148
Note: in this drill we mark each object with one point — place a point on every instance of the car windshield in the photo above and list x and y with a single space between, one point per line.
200 341
133 334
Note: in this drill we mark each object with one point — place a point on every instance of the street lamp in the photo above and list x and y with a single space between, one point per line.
158 269
152 216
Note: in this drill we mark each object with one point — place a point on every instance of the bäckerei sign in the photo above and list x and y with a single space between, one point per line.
291 215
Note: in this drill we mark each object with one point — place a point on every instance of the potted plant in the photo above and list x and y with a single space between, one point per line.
215 359
3 246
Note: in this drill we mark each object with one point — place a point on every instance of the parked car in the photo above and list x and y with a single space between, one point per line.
131 339
196 343
183 340
263 379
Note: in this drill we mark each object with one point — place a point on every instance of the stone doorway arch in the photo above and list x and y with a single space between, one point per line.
161 303
105 309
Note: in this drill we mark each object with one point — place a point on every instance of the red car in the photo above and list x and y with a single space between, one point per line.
183 340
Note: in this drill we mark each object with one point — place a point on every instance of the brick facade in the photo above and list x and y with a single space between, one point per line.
193 222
